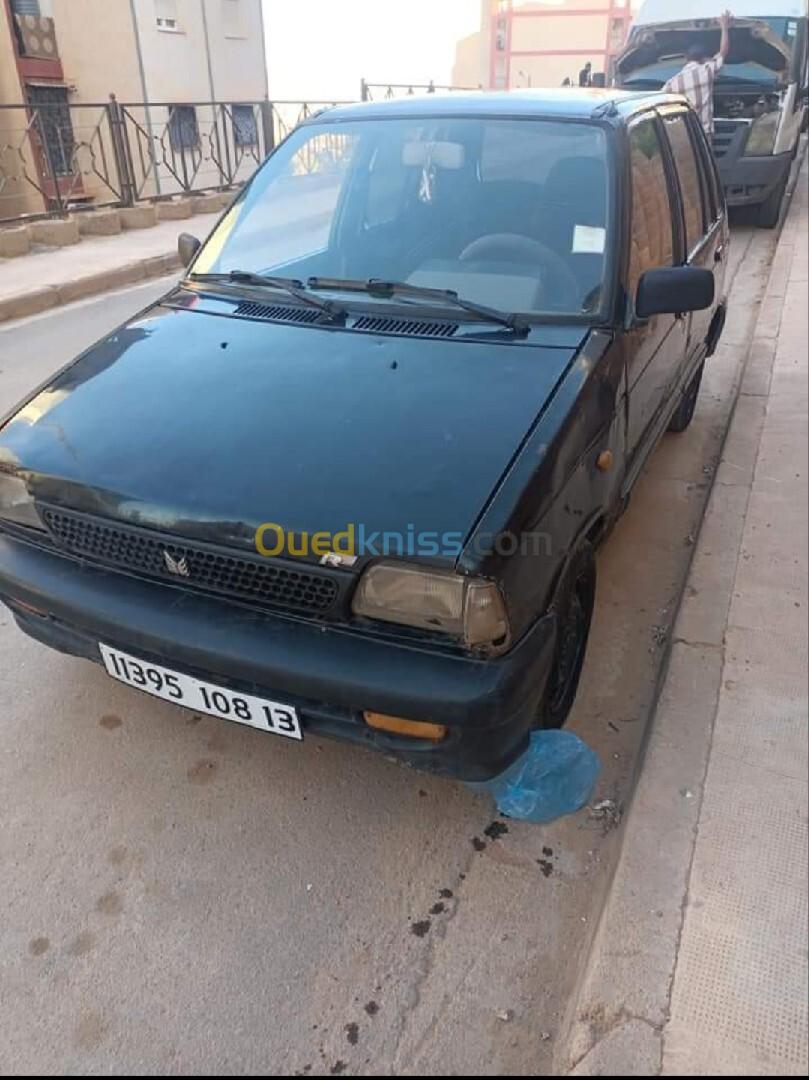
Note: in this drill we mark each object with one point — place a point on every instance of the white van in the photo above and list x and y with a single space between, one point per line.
760 95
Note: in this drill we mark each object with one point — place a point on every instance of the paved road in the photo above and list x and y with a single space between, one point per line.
183 896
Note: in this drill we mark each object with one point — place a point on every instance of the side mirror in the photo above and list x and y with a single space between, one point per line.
187 247
671 290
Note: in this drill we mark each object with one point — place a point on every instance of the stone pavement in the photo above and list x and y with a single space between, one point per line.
699 966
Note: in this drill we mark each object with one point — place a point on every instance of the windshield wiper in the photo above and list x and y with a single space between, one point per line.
292 286
387 289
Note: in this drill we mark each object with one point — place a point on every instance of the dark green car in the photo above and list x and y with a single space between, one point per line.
349 475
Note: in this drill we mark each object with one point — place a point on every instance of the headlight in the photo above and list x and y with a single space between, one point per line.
16 504
466 608
763 130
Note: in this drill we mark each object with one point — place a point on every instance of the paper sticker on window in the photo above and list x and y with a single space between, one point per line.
588 239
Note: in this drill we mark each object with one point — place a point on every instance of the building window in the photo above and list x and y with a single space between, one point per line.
166 15
232 15
245 132
52 122
37 8
183 129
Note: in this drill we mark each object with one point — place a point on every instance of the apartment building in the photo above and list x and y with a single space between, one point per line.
541 42
166 61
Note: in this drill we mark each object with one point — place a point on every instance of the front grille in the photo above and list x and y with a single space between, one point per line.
725 133
140 551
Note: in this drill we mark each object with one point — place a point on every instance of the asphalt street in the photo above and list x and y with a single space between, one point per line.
180 895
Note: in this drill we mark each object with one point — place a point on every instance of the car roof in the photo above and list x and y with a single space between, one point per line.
563 103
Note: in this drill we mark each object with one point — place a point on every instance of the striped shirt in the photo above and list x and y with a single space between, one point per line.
695 82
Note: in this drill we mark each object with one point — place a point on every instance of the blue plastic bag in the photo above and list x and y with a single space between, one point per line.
555 776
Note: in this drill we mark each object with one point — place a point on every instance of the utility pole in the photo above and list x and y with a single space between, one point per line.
147 111
207 49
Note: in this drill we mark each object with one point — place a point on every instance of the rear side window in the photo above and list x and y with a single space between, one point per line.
689 176
652 241
713 191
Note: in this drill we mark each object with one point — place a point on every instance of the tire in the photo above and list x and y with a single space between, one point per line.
573 607
685 410
770 210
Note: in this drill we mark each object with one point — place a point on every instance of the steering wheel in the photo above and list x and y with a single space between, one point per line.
558 281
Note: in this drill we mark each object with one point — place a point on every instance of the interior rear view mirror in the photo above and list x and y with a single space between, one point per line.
445 155
671 290
187 247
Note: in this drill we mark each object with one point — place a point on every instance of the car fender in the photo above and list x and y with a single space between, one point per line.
562 486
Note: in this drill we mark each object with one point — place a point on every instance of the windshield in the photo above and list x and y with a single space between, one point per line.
509 213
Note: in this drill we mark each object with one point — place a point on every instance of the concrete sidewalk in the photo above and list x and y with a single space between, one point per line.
699 965
49 277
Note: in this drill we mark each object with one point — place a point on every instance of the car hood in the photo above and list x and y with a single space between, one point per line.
207 427
751 42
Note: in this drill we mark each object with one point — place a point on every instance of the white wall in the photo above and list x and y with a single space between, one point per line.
176 61
237 55
177 71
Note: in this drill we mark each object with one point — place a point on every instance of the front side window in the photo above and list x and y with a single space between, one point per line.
688 174
509 213
652 242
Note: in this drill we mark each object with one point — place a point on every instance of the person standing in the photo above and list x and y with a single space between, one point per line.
696 80
585 75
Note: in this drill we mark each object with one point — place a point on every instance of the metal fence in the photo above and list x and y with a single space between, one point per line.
58 157
385 91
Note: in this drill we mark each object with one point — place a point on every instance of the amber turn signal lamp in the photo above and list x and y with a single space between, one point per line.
416 729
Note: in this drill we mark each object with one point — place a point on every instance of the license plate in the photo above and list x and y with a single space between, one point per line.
201 696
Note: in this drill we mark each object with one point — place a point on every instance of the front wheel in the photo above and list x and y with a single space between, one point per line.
573 607
685 410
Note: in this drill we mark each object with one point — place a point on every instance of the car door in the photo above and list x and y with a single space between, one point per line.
655 348
703 233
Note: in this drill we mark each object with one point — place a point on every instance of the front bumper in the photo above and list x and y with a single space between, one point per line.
749 181
330 674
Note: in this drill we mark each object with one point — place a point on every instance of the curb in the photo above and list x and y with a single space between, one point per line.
51 296
617 1014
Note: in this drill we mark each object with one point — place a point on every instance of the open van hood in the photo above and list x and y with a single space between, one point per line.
662 11
751 42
